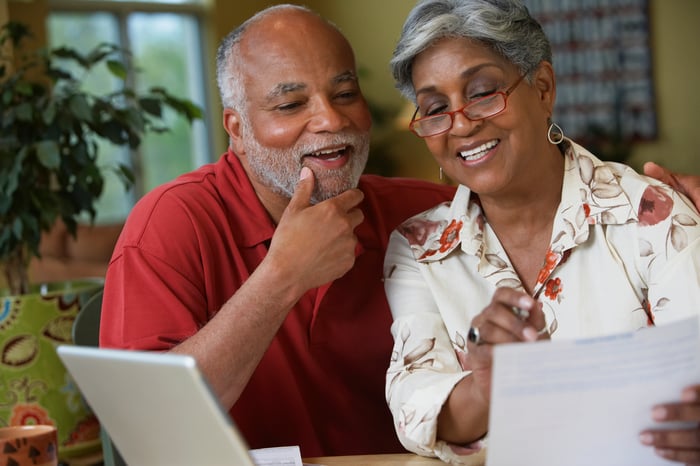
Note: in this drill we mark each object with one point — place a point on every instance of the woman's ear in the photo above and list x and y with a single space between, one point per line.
545 83
232 125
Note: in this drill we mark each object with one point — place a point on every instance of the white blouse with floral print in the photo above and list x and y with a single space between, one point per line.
624 254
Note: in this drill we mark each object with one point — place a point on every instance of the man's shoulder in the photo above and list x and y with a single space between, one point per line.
409 187
390 201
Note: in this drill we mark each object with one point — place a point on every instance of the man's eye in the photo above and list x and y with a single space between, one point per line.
347 95
288 107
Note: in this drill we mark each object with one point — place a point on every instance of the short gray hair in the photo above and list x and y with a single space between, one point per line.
505 26
229 76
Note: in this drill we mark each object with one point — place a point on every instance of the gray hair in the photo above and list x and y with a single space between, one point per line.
229 76
505 26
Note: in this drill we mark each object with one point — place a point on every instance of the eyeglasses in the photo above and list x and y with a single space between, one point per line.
476 110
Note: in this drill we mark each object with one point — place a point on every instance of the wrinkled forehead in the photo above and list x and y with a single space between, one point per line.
297 34
295 50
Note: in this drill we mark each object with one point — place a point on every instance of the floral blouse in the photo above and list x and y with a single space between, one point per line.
624 254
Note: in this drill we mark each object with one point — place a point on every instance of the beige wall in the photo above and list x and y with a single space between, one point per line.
373 27
675 42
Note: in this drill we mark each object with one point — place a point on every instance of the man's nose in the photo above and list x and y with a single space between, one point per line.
328 117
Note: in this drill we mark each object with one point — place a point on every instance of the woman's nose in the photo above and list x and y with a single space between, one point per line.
461 125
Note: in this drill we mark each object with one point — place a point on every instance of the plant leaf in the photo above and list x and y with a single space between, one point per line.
117 68
48 154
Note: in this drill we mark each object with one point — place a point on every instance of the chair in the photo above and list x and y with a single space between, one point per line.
86 332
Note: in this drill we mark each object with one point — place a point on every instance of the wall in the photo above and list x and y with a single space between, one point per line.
675 37
373 28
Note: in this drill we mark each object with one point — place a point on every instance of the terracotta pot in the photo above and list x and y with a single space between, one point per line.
35 387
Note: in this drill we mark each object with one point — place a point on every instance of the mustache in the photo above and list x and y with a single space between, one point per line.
348 139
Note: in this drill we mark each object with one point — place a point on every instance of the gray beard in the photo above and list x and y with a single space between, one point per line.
278 169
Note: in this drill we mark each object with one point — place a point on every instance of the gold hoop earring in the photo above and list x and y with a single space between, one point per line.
555 134
441 174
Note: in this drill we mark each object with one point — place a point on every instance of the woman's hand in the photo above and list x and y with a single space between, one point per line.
511 316
677 444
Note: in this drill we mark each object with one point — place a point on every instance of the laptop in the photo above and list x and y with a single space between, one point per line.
157 408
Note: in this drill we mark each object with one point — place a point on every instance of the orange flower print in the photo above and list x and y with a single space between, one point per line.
428 253
29 414
88 429
654 207
646 305
450 236
417 231
550 262
553 288
587 210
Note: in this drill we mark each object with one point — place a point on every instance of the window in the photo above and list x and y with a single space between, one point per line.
165 40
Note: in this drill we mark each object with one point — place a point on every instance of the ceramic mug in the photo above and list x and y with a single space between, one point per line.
29 445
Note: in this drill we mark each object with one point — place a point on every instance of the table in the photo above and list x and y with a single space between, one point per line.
401 459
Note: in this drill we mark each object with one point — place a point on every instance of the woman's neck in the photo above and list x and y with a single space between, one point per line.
523 218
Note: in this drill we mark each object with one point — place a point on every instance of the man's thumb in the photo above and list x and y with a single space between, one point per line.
302 194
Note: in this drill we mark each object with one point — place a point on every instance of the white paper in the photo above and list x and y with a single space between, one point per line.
584 402
278 456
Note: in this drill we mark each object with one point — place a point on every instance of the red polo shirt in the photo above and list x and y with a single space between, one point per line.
189 245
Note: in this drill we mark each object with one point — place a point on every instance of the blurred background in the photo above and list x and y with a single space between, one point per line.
627 75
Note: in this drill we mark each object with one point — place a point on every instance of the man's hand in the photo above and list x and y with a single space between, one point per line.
316 243
677 444
687 184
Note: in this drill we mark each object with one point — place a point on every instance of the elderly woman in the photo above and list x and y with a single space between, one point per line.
542 239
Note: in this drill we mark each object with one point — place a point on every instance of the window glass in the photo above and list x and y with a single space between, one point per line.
163 49
82 32
166 50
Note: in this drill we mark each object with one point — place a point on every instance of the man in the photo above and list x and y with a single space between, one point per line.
266 266
267 272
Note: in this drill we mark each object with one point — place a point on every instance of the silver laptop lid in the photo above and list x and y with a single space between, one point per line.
157 408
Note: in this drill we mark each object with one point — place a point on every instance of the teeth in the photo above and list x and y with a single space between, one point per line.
326 152
478 151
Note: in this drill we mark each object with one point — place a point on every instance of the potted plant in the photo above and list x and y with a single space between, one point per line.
49 171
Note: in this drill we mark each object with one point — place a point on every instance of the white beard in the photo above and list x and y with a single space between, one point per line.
279 169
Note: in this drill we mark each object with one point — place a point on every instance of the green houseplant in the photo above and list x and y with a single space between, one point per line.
51 131
49 135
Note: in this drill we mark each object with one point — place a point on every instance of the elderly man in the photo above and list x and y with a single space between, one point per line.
266 265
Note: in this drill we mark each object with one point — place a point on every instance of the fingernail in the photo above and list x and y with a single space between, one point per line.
525 302
305 173
530 334
659 413
689 395
646 438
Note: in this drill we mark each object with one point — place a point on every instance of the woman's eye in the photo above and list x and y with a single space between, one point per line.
481 95
436 110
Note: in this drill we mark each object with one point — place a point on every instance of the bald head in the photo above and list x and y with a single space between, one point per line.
269 30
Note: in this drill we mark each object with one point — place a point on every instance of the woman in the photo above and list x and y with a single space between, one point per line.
536 226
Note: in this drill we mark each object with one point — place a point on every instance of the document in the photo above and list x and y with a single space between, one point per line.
277 456
584 402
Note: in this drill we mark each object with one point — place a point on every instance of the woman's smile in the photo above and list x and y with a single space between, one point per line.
477 153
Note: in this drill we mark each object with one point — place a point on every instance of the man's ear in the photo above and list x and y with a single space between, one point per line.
232 125
545 83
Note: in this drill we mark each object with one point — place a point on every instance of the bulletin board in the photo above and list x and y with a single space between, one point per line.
603 64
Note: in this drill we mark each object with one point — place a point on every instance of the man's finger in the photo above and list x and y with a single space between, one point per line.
303 191
656 171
